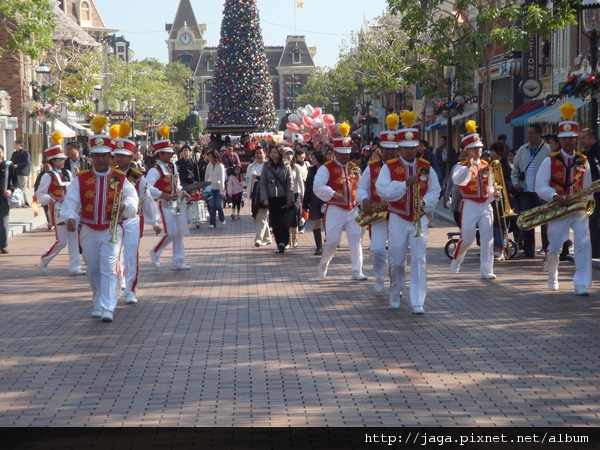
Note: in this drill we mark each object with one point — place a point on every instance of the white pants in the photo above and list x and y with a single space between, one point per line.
337 220
378 251
402 235
64 238
475 214
558 232
262 226
130 252
174 232
101 257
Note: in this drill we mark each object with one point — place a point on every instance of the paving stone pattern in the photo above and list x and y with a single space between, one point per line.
248 337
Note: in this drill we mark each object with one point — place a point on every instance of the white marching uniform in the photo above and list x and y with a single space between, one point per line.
63 237
174 220
558 229
132 233
338 219
378 230
403 233
473 214
100 254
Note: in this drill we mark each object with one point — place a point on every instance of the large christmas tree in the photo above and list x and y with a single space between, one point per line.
242 93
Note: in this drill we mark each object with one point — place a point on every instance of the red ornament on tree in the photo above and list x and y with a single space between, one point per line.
590 79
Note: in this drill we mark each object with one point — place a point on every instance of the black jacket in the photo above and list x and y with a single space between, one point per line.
23 160
7 169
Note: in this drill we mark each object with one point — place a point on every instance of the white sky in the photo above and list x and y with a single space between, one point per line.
324 23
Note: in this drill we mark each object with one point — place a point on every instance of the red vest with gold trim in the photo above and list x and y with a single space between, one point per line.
477 187
375 169
567 180
343 180
58 188
400 172
166 182
97 197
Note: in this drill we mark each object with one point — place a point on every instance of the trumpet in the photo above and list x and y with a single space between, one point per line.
115 212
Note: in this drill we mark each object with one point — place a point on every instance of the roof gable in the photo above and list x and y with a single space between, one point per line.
185 17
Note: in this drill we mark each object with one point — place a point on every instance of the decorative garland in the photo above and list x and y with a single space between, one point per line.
44 113
578 85
448 109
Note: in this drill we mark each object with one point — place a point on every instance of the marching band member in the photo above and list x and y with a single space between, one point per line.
476 183
411 189
561 175
133 227
367 197
51 191
93 199
335 183
164 186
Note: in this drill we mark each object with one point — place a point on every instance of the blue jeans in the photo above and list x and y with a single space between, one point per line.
215 204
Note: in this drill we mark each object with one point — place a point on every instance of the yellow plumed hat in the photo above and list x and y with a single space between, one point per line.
568 127
57 137
392 121
124 130
113 131
165 144
408 118
343 144
471 139
98 123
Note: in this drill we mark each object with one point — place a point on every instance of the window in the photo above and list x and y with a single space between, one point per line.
205 93
210 64
296 56
186 60
85 12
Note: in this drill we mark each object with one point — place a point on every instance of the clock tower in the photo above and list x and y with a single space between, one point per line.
185 42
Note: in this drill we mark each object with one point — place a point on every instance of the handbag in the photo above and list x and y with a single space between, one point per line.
16 198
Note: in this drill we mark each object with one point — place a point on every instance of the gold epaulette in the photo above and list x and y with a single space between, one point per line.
83 172
119 172
423 160
374 161
581 155
555 154
326 163
392 161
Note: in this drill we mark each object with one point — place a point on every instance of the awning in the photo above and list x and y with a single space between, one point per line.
524 109
551 116
521 121
455 120
79 129
65 130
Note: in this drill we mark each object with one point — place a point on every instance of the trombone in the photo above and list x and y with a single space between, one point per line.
503 202
423 174
116 211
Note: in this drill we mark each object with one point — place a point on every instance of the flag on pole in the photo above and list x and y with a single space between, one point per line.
299 4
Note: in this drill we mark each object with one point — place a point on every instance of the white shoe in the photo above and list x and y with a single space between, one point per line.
454 267
211 226
107 316
498 256
378 285
79 271
180 266
154 259
131 298
97 313
223 223
322 271
418 310
359 276
581 290
552 283
257 243
487 276
43 267
394 301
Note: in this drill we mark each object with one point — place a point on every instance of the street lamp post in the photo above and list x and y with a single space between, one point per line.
133 118
97 96
336 109
43 79
591 24
449 75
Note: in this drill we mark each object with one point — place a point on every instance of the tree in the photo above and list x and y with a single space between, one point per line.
242 92
29 25
470 33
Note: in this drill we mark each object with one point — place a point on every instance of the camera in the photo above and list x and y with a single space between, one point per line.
522 176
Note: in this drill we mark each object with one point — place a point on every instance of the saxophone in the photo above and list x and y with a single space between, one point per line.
552 210
378 212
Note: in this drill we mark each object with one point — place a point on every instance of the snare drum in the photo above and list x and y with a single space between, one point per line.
196 212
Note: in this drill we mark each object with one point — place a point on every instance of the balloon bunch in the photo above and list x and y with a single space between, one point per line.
310 124
581 85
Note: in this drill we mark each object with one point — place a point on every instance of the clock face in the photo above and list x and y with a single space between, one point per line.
185 39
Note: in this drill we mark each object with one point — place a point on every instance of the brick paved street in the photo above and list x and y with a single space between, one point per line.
248 337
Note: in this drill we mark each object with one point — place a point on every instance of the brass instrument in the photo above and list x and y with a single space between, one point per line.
115 213
417 203
502 203
552 210
378 212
